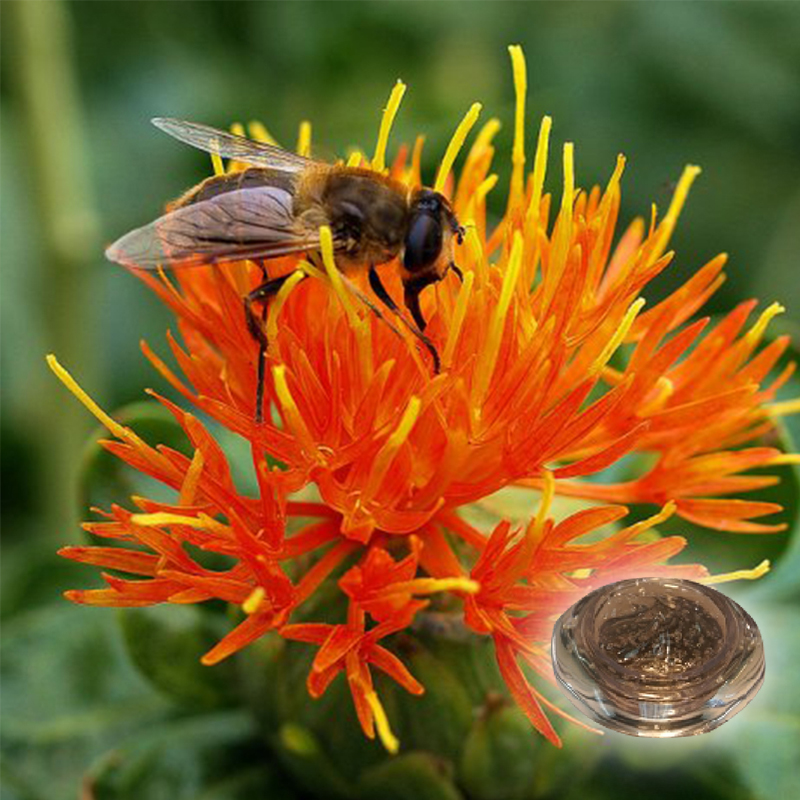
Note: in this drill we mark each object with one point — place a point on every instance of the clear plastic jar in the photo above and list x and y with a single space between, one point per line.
658 657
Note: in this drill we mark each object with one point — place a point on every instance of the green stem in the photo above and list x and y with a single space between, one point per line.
47 91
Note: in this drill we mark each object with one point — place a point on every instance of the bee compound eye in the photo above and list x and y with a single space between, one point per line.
423 243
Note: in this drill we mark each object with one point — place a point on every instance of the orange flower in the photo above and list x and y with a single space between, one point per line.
527 396
351 649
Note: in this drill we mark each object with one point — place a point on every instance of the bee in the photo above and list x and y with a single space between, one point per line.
276 206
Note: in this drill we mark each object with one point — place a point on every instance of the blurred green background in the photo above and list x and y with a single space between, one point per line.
666 83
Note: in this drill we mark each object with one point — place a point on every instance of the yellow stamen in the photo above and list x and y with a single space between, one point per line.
431 585
389 113
254 600
120 431
739 575
395 441
189 485
259 132
536 525
415 170
664 389
518 152
326 249
484 188
488 357
388 739
473 242
753 336
291 413
237 129
355 159
456 143
568 196
611 192
464 294
562 235
486 134
598 256
619 335
304 139
667 226
616 175
539 170
216 163
402 431
277 304
645 524
200 522
611 375
784 408
786 458
312 271
164 518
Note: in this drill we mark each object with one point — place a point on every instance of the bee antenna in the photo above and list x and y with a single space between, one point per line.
468 225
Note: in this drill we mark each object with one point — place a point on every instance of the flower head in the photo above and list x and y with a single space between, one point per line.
551 371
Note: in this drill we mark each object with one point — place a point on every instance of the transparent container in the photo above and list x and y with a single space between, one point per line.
658 657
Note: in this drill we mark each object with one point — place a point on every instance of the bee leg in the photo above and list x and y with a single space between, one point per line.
411 293
384 296
264 278
256 327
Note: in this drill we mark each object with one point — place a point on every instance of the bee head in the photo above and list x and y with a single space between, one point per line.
432 226
428 246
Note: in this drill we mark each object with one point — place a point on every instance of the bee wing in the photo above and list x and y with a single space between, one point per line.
228 145
253 223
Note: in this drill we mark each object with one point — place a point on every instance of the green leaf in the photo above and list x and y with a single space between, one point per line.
33 576
764 739
471 660
214 756
614 779
559 770
312 768
420 776
69 693
500 755
77 716
166 644
437 721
